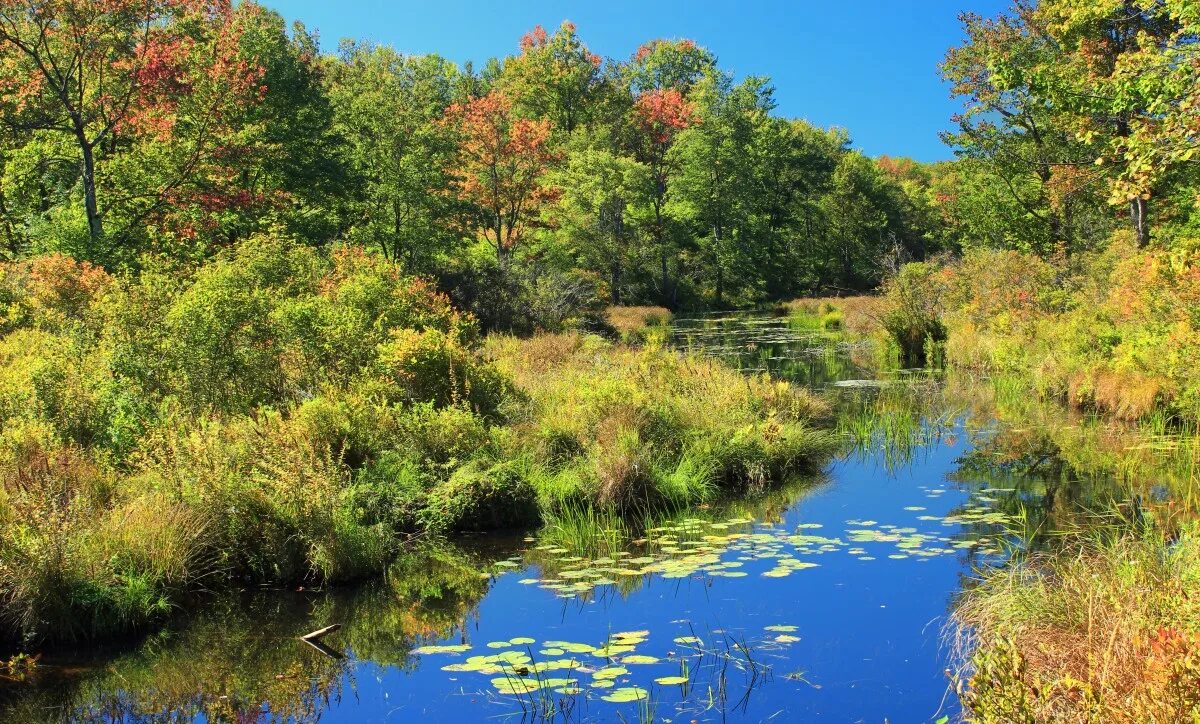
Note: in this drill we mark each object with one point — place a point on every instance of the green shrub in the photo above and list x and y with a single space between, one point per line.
431 366
912 310
1116 331
482 498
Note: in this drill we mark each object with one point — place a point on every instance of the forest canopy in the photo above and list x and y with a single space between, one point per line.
178 127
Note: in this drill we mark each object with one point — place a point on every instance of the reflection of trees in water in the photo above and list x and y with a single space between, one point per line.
1065 482
1059 470
756 343
240 658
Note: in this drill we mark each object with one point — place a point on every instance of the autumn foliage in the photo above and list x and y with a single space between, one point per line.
664 113
165 79
501 163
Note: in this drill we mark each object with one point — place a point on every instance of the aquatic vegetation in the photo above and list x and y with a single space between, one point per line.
611 679
856 315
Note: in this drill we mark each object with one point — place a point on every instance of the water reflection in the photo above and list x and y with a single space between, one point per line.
240 658
758 343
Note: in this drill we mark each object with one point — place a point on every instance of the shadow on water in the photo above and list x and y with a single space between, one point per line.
818 599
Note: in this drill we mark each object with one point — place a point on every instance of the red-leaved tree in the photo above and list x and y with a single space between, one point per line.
115 75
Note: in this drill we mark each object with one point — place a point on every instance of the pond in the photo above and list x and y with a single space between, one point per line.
821 600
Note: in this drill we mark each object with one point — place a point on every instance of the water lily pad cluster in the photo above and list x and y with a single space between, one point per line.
613 670
739 547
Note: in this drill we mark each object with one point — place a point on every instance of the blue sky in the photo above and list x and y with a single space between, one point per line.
869 66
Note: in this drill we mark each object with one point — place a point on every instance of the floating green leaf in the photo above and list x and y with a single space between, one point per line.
639 659
625 694
610 672
442 649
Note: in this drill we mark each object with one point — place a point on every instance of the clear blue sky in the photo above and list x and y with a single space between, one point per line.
869 66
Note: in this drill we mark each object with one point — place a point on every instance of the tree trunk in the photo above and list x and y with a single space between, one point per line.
666 278
88 170
720 286
502 250
614 271
1141 226
717 263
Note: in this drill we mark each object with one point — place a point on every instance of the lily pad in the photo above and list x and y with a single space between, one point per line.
610 672
625 694
639 659
671 680
442 649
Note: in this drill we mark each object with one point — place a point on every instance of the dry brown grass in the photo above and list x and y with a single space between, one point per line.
630 319
1125 395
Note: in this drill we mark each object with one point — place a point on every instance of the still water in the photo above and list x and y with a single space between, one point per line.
823 600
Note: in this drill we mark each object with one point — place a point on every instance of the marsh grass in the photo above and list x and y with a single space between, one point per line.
629 319
278 417
859 316
899 419
1106 628
653 429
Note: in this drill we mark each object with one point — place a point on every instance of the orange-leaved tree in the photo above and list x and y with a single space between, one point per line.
500 168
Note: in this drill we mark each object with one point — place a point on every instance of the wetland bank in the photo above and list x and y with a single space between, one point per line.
827 595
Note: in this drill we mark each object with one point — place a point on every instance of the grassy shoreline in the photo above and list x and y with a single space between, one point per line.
279 416
1090 630
1100 630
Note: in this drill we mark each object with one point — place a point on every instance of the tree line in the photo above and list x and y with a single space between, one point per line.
177 127
554 177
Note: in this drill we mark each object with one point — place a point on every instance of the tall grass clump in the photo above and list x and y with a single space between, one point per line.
858 316
1100 630
635 325
638 429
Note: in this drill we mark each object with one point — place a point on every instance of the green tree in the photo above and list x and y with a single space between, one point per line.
555 77
659 77
389 107
599 188
719 184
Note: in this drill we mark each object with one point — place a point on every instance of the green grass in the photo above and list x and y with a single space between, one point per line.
650 429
